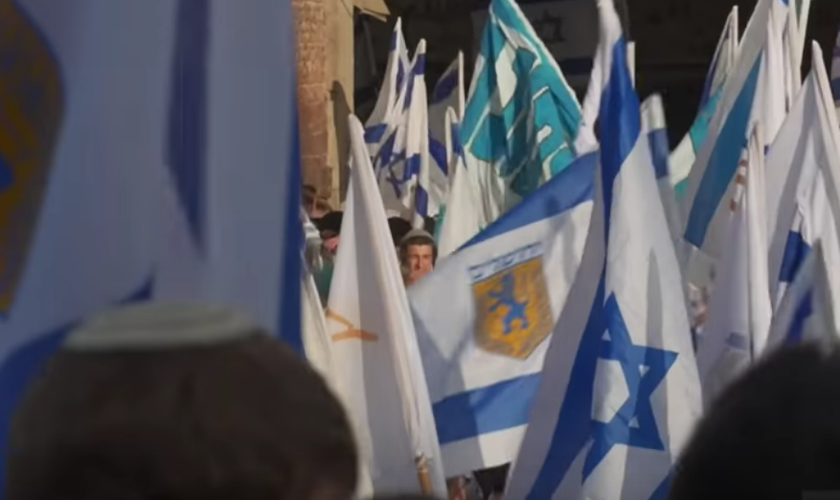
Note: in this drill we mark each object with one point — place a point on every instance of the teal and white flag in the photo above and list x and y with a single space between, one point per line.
521 115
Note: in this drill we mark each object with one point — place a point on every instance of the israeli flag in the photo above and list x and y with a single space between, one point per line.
484 315
155 157
723 61
403 162
619 393
740 310
754 92
801 197
393 87
654 127
807 311
835 73
521 115
447 94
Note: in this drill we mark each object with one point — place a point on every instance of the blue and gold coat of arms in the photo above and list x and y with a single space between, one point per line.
513 311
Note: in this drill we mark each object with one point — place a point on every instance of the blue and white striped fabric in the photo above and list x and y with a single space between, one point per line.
387 107
835 73
806 313
186 190
754 92
403 162
521 114
483 316
448 94
723 60
799 182
619 393
654 127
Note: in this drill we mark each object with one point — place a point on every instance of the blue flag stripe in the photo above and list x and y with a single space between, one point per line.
723 162
796 250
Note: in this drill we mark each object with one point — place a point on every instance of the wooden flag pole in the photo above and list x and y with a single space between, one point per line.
423 475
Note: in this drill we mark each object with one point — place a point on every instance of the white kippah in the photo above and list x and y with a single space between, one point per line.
152 325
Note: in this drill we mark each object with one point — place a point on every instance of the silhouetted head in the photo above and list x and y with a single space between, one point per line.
178 402
774 433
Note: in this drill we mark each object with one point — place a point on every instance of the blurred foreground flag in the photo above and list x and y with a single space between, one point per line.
802 200
619 393
835 73
806 312
148 151
484 314
374 355
521 115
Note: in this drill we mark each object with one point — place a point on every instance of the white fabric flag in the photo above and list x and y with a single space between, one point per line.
740 310
835 74
684 155
375 358
656 130
619 393
393 87
447 94
462 219
150 154
807 311
754 92
801 198
484 314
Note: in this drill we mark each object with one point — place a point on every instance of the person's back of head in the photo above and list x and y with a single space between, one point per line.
178 402
774 433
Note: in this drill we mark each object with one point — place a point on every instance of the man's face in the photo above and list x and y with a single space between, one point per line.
419 261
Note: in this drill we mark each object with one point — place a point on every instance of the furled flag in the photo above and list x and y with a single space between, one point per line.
619 394
462 219
723 61
403 162
393 86
186 190
740 310
835 73
656 130
807 311
374 353
484 314
801 197
754 92
447 94
521 115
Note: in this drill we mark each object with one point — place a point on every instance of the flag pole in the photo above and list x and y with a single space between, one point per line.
423 474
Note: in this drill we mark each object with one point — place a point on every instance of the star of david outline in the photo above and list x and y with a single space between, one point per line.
640 385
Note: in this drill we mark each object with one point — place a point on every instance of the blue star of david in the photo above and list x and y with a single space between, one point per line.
644 368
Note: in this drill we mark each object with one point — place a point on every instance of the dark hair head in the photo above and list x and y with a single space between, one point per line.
774 433
330 224
215 419
417 237
399 228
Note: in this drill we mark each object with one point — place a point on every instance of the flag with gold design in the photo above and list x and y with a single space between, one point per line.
373 349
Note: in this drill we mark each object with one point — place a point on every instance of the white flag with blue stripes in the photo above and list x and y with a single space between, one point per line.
740 310
656 130
186 190
723 61
754 92
619 392
807 311
447 94
800 193
484 314
835 73
387 107
521 115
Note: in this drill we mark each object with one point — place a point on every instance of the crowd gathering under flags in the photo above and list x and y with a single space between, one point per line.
522 295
